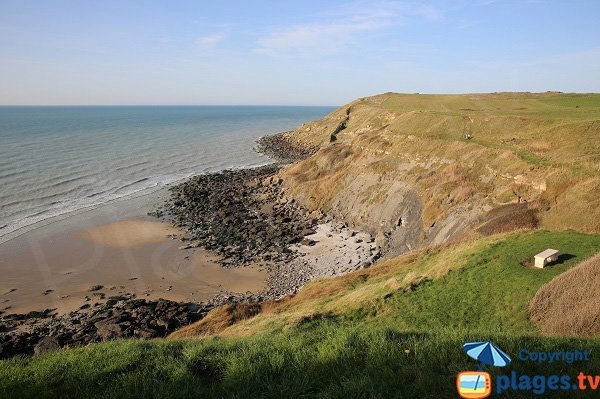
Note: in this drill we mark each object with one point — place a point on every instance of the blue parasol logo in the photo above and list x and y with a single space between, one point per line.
477 384
487 353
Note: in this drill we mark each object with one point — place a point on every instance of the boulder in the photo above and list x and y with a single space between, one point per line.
109 331
145 332
45 345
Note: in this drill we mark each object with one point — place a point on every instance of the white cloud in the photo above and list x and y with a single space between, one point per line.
210 40
340 27
321 36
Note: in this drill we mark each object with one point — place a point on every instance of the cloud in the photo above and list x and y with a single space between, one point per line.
210 40
323 37
339 28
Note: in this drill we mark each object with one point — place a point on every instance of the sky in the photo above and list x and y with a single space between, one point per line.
290 52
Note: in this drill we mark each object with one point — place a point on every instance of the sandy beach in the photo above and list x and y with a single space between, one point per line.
63 266
124 269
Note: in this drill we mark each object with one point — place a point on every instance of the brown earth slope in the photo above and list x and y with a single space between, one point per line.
570 303
418 170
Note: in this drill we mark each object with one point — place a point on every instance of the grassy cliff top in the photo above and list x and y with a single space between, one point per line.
496 117
471 151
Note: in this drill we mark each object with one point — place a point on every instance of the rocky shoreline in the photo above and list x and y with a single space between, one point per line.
241 215
120 317
245 218
283 148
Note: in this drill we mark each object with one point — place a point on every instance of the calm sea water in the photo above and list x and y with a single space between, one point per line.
57 160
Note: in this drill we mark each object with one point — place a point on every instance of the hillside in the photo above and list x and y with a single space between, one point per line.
530 160
431 289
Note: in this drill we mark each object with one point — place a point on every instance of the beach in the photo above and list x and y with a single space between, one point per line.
97 243
119 248
145 266
78 184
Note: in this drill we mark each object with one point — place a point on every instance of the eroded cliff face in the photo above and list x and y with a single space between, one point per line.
417 170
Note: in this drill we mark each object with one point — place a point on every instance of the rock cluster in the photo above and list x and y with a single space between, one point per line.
284 148
119 317
241 215
332 250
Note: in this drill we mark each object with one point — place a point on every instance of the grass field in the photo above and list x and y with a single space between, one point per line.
319 359
493 288
343 337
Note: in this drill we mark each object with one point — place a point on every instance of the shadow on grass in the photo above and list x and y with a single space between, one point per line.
317 319
333 361
562 258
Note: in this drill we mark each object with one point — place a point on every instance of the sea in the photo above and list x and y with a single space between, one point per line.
57 160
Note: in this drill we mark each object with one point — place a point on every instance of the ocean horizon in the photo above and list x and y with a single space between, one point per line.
56 160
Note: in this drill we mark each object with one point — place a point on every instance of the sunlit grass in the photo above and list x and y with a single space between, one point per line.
319 359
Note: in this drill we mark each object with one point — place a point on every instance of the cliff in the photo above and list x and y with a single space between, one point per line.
417 170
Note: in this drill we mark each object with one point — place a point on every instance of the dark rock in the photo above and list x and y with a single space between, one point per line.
109 331
284 148
308 242
239 214
45 345
145 332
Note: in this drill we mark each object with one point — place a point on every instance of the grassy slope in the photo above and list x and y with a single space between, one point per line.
339 337
317 360
569 304
484 278
521 142
493 289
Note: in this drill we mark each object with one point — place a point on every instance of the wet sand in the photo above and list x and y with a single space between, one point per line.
129 233
138 255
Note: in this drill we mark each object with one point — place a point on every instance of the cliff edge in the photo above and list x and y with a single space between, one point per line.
417 170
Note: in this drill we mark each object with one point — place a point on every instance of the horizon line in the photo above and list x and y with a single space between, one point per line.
298 105
166 105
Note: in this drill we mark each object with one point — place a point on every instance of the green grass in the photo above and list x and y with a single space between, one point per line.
322 359
574 100
533 159
492 289
355 352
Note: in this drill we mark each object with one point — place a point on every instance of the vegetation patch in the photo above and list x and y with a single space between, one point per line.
492 289
509 218
570 303
328 360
